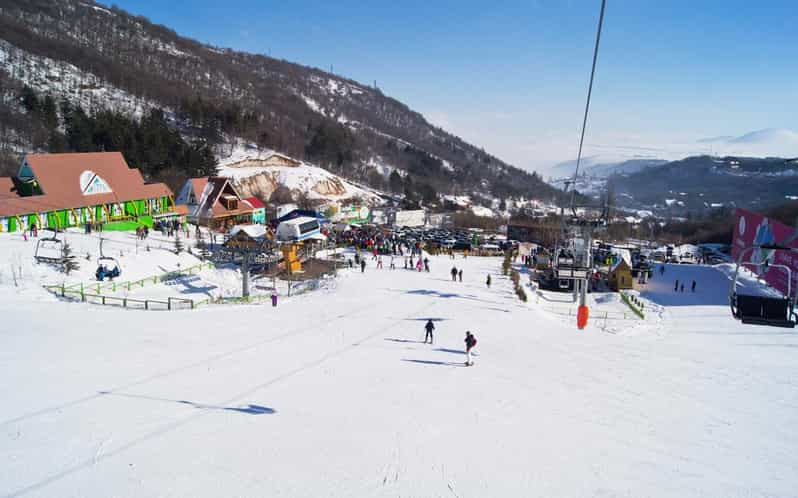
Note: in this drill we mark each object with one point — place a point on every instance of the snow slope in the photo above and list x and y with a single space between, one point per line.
332 394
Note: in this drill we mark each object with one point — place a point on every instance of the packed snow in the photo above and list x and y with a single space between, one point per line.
333 392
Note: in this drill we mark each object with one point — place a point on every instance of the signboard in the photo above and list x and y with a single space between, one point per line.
414 218
754 229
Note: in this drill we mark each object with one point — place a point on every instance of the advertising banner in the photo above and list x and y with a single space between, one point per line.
752 229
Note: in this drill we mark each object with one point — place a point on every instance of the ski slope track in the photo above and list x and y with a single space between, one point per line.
333 393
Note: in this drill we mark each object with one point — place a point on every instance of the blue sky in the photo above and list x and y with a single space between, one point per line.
512 76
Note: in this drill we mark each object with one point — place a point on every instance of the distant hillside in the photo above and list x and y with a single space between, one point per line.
699 183
97 58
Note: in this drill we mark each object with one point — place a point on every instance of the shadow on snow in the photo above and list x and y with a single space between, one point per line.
248 409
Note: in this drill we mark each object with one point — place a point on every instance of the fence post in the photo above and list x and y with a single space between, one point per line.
169 303
192 303
82 296
146 304
103 298
124 302
63 291
128 285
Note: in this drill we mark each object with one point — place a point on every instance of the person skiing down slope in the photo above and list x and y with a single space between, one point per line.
470 342
429 327
488 281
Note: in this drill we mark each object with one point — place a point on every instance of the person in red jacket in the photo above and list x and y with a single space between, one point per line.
470 342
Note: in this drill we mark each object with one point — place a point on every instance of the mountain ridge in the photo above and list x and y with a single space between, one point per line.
88 53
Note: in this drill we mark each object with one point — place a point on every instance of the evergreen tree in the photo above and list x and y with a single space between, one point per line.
395 182
179 246
68 261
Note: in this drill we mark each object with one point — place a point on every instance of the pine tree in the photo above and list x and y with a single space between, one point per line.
179 247
68 261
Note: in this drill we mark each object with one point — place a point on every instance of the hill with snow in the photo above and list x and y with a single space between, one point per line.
105 59
252 175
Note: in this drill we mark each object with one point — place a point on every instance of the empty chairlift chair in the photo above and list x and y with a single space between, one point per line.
774 311
50 249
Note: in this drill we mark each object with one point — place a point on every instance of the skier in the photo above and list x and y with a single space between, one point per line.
460 274
488 281
426 265
692 287
362 265
351 264
454 274
419 265
429 327
676 286
682 287
470 342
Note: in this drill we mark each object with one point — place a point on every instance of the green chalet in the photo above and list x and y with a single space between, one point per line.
67 190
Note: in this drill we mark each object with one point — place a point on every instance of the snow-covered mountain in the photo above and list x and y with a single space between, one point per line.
103 58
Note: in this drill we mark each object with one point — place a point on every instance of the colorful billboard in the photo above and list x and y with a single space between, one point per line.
752 229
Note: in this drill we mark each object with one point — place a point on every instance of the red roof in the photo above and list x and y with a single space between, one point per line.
59 177
255 203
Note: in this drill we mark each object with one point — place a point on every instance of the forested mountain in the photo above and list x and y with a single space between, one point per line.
76 75
696 184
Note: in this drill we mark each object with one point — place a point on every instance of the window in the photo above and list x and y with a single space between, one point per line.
91 183
308 226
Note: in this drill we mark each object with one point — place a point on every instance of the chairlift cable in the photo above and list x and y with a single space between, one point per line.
587 104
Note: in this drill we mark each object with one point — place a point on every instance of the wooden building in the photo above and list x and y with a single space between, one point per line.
65 190
214 202
620 276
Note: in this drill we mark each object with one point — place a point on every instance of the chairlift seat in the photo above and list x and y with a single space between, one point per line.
761 310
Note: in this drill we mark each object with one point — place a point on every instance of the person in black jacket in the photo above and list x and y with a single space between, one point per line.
454 274
470 342
429 327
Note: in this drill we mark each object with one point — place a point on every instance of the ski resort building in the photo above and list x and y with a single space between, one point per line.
212 201
75 189
258 210
620 276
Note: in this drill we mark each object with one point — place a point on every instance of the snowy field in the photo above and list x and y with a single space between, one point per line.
334 394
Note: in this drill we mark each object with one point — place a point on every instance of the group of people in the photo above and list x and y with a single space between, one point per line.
456 273
470 341
677 287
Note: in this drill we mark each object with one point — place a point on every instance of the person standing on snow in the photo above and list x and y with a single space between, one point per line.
429 327
393 265
692 287
470 342
426 265
362 265
379 262
682 288
460 274
454 274
488 281
676 286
